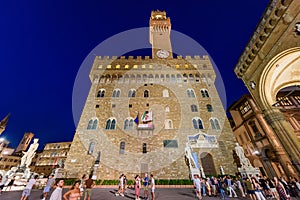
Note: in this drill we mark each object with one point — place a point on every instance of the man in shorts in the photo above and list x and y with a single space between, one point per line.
197 186
48 186
88 184
152 186
146 185
27 190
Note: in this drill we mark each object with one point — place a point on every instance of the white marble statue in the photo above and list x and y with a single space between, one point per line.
240 152
29 154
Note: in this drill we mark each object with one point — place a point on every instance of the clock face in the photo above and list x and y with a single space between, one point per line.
162 53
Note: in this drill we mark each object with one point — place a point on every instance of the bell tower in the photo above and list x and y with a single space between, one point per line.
160 28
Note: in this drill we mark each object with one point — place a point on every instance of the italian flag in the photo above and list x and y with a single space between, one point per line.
147 116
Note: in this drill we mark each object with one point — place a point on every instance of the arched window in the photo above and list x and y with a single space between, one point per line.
146 93
185 77
116 93
102 79
157 78
209 108
101 93
131 123
108 78
95 123
126 78
204 93
214 123
179 78
162 78
110 124
190 93
173 79
128 124
168 124
131 93
91 148
138 78
165 93
145 78
194 108
191 77
122 147
121 79
197 78
92 124
113 124
167 78
132 78
197 123
151 78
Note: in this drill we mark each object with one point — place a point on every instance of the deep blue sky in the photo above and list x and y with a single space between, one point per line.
43 44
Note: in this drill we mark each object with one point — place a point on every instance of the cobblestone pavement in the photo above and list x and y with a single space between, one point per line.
108 194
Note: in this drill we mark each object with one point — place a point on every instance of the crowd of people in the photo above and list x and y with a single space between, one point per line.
146 182
256 188
78 189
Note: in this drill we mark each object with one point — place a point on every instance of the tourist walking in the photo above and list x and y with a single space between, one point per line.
197 186
240 186
250 189
258 190
222 187
48 186
281 190
121 186
146 185
57 193
230 187
88 185
152 187
27 190
137 187
74 193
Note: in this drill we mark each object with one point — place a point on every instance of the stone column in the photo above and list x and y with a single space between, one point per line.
285 133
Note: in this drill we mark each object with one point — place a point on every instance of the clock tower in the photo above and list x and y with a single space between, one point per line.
160 28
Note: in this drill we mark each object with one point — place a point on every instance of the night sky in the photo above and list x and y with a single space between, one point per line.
44 43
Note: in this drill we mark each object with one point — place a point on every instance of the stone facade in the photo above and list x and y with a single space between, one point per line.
179 92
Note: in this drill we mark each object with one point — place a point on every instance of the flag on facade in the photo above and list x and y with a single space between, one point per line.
136 120
147 116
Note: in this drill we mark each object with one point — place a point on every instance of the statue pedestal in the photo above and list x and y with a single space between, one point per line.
249 171
59 172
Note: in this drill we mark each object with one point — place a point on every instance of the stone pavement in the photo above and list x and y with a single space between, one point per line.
108 194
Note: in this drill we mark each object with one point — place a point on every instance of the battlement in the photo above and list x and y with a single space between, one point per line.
179 57
145 62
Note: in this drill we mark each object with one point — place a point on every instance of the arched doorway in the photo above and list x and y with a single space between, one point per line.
208 163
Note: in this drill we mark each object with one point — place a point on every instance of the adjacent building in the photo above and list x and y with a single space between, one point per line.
54 154
270 64
142 112
257 138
